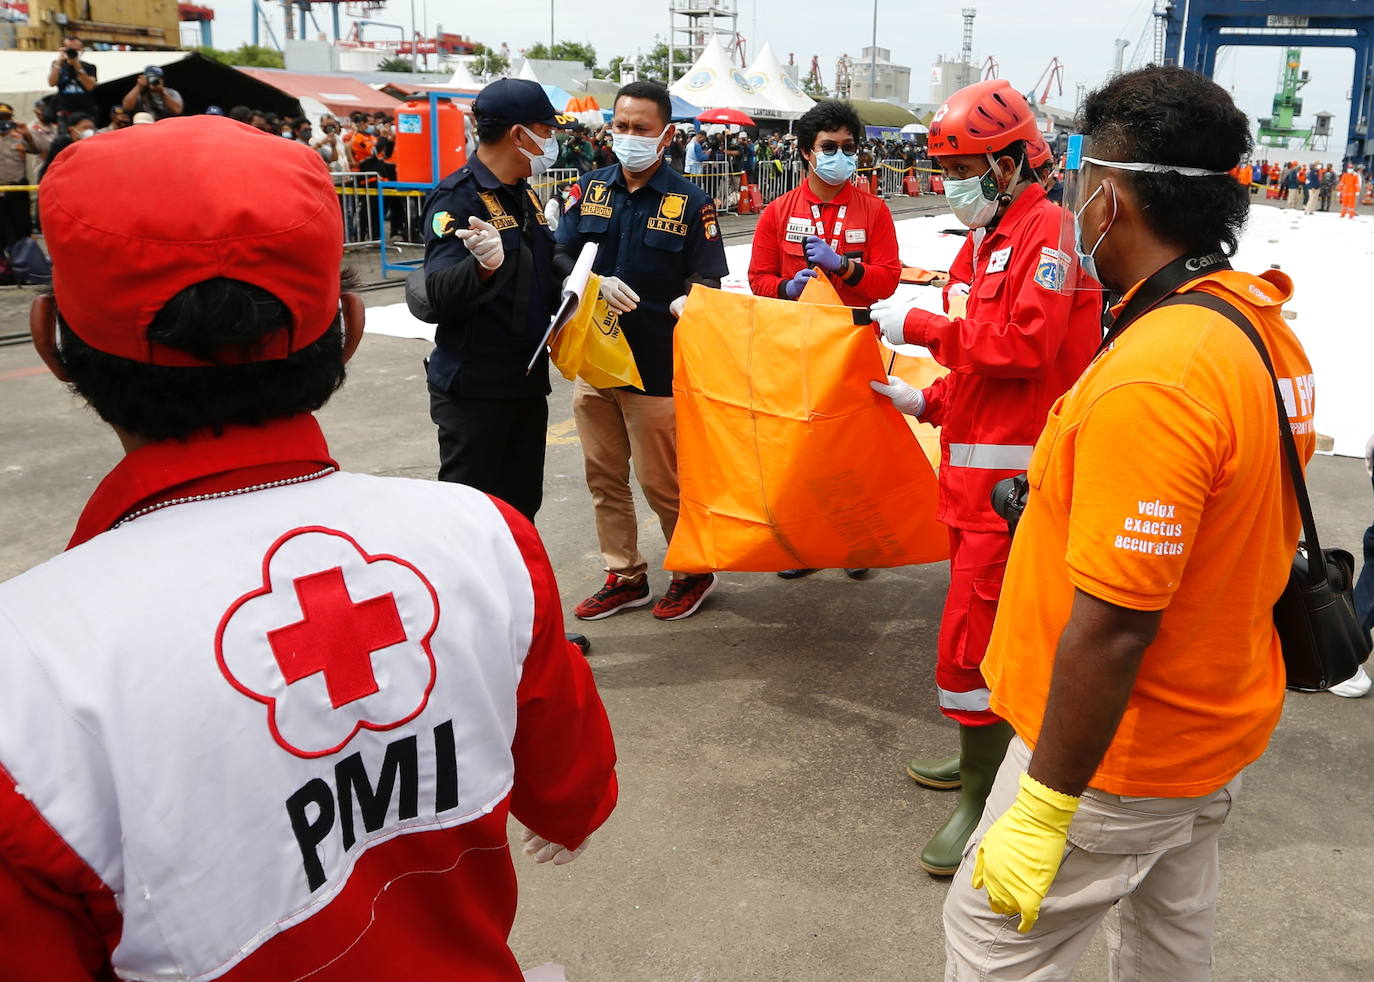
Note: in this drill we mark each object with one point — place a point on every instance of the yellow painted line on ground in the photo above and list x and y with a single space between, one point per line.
562 434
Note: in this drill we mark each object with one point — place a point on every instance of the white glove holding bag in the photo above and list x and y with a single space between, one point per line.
890 317
618 295
484 242
543 850
677 306
906 398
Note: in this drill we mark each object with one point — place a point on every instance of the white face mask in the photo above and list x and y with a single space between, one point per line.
637 153
539 163
85 133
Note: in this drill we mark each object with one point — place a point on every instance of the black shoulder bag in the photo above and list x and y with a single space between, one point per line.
1323 642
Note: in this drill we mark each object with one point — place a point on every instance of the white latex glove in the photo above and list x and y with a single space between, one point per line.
675 308
618 295
543 850
890 317
483 241
906 398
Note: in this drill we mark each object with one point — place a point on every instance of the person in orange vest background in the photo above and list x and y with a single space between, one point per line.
1022 340
827 226
1349 188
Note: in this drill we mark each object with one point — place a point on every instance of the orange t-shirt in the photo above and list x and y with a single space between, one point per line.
1159 484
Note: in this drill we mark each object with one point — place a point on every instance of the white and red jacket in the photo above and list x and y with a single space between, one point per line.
855 224
277 735
1020 346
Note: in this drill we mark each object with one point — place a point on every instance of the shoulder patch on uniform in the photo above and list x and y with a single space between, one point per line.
1051 268
574 194
443 223
709 223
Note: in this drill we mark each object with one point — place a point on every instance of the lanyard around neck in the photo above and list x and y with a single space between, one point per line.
819 223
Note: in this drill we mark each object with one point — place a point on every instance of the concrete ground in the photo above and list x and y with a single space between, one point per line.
766 830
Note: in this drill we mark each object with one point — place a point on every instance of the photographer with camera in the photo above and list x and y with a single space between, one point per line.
331 146
150 94
16 144
73 78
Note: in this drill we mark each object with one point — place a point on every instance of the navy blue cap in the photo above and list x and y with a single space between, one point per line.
518 100
154 71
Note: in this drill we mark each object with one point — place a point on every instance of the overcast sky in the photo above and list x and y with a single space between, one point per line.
1022 36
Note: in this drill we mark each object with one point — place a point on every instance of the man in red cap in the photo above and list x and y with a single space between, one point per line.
260 722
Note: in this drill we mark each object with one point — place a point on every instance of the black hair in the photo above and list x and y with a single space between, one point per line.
828 114
1174 116
384 146
655 92
1016 150
75 118
490 131
298 122
241 113
159 402
258 112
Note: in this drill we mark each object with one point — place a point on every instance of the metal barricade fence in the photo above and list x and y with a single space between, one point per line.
357 191
551 180
720 182
891 175
777 177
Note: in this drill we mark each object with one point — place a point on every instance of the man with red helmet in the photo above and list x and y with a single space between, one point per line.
1019 344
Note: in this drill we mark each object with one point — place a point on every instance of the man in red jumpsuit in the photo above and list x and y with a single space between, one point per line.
1022 342
827 226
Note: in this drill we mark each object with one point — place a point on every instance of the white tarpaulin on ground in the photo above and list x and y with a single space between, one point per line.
715 82
1325 255
772 83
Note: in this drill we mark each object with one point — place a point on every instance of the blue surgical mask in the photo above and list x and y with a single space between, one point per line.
1088 259
636 153
835 168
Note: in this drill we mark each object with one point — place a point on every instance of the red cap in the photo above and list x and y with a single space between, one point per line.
135 216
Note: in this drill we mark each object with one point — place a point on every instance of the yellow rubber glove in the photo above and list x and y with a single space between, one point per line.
1020 854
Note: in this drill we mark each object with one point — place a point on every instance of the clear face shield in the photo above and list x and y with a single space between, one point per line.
1081 186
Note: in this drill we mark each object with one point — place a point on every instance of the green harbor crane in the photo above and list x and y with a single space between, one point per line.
1278 130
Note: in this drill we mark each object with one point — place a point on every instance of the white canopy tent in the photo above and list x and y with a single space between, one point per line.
772 83
715 83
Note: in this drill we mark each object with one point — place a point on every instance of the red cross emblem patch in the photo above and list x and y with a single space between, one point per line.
334 640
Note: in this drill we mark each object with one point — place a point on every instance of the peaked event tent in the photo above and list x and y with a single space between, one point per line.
715 83
772 82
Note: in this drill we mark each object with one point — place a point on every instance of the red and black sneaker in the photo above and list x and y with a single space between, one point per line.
616 595
684 596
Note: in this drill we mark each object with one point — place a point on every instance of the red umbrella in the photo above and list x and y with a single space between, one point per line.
727 116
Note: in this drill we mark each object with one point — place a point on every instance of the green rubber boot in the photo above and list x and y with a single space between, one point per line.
981 751
941 773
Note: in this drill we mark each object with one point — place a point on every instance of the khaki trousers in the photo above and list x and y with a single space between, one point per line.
1311 201
1294 197
616 427
1151 863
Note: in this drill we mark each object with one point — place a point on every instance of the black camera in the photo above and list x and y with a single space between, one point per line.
6 125
71 53
155 81
1009 499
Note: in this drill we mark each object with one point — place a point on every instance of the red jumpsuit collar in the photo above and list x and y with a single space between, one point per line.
204 463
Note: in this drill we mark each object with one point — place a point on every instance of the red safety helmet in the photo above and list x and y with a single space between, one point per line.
1037 152
981 118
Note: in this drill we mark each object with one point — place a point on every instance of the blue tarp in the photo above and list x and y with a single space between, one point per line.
683 111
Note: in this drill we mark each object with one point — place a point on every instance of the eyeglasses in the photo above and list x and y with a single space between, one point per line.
829 147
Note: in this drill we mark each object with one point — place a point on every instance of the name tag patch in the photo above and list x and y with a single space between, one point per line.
496 214
597 201
853 235
798 229
997 262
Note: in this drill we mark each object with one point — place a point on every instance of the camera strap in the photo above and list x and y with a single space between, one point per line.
1161 285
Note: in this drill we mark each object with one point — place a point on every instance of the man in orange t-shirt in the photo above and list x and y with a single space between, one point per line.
1134 651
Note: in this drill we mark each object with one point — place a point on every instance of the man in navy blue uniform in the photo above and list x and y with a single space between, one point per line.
657 235
490 280
491 286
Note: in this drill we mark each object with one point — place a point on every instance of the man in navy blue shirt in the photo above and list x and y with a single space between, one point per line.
490 280
657 235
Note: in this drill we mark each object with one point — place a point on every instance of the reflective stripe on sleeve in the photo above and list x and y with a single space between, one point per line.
990 456
970 702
